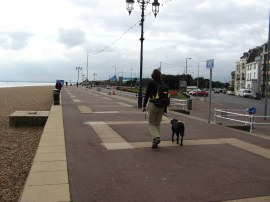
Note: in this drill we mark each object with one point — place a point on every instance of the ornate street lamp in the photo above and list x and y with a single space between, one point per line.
87 67
95 74
186 63
155 8
78 69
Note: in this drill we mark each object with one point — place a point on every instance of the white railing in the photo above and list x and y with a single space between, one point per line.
124 93
244 117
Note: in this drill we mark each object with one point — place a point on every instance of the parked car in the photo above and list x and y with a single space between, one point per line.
216 91
245 93
229 92
199 93
191 92
255 96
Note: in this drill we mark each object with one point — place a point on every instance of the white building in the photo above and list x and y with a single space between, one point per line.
252 76
251 71
247 71
240 74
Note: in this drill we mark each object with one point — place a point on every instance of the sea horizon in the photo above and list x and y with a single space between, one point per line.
10 84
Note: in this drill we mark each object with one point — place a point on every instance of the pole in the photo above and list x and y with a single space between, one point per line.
198 77
78 75
131 80
114 70
210 96
186 66
141 58
267 72
87 67
198 80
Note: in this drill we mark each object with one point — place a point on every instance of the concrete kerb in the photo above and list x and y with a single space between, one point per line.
48 177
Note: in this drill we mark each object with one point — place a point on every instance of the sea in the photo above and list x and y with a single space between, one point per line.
5 84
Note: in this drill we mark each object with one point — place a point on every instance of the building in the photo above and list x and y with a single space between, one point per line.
263 69
232 80
251 71
240 74
252 80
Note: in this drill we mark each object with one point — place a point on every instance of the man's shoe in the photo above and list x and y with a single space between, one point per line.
155 143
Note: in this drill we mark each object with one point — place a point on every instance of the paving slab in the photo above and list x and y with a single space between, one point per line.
46 193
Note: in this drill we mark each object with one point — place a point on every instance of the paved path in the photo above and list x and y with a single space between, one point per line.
110 159
107 145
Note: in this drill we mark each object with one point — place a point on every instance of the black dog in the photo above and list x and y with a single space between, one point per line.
178 128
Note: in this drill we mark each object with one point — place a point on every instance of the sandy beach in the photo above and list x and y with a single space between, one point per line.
18 145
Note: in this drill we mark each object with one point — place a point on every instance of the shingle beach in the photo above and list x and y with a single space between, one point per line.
18 145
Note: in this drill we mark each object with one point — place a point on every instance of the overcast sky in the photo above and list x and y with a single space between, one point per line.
46 40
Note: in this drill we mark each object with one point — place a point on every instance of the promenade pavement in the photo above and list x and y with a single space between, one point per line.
109 155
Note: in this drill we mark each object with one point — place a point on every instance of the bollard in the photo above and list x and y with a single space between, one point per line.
56 97
189 104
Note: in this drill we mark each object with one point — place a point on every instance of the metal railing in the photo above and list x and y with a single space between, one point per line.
175 104
244 117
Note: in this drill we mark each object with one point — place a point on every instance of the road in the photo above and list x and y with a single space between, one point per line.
223 101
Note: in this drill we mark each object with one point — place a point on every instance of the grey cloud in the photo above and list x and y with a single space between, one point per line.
16 40
72 37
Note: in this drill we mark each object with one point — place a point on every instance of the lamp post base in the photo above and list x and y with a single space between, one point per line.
140 100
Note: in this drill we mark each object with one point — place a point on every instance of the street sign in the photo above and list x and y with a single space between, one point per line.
210 64
182 84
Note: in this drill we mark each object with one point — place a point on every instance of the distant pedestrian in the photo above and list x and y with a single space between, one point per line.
154 113
66 83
